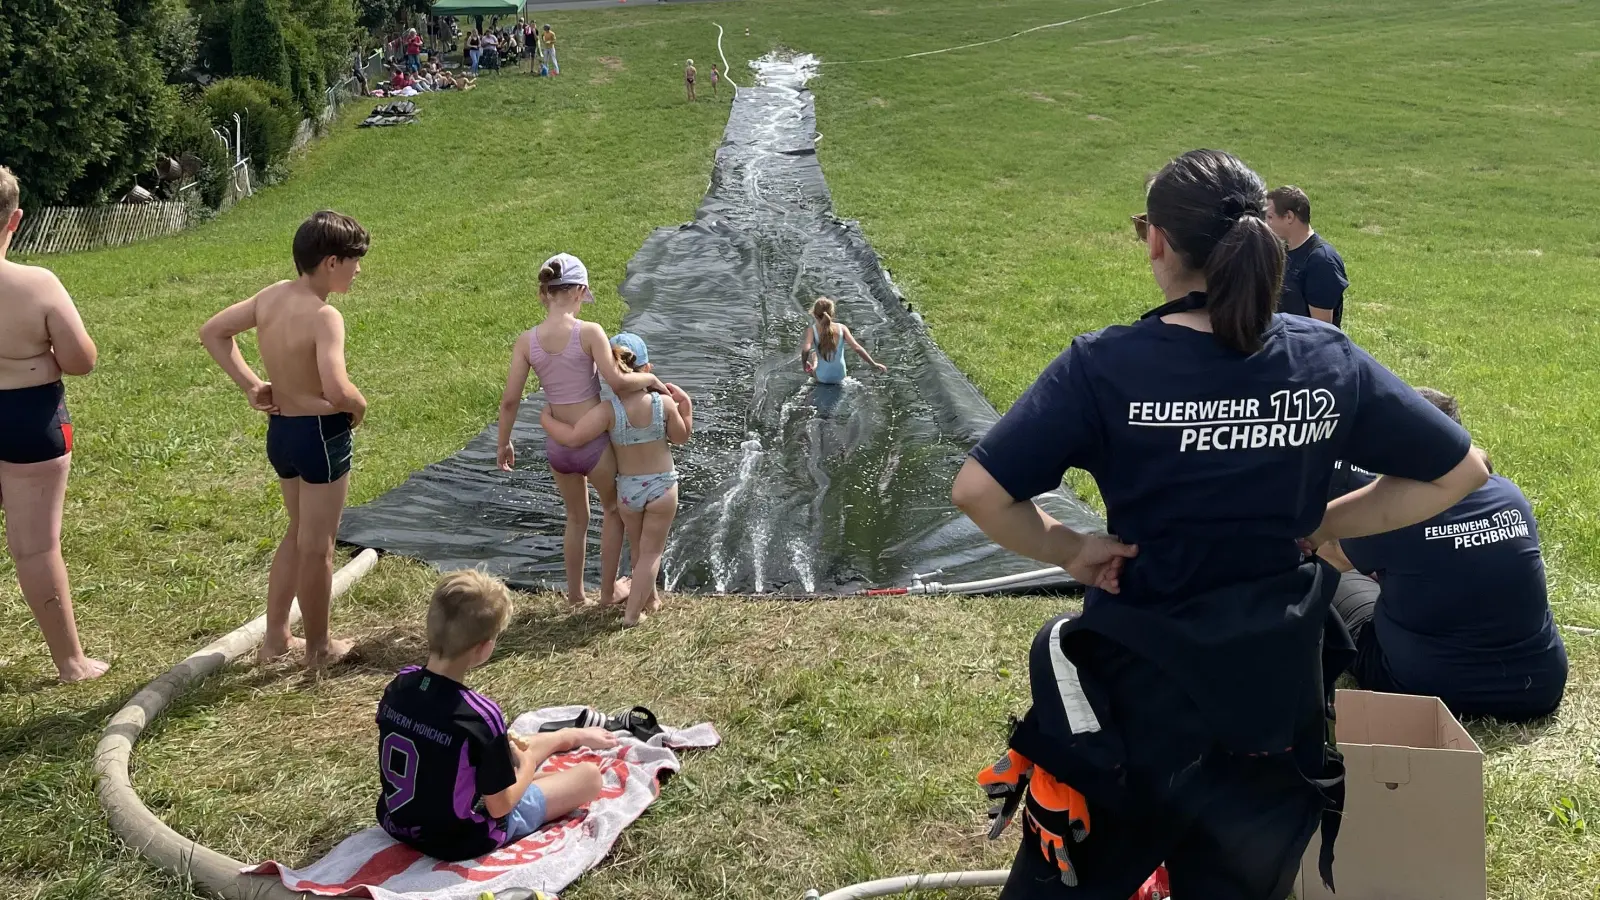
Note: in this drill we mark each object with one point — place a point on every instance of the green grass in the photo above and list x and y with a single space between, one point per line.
1449 152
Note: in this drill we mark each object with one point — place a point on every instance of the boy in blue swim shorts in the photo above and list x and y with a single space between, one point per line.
313 408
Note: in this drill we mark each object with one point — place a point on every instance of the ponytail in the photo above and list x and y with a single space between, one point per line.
827 341
626 361
548 273
1244 274
1212 209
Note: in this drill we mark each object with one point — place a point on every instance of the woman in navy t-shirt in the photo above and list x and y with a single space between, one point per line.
1188 703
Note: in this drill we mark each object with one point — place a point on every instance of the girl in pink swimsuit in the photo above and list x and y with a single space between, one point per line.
570 356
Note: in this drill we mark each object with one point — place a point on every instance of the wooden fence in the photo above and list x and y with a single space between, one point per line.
64 229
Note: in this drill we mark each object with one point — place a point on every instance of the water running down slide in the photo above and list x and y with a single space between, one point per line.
788 486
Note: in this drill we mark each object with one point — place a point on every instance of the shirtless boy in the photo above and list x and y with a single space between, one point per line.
41 339
313 408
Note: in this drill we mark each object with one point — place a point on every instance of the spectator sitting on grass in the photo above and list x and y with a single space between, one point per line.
1454 607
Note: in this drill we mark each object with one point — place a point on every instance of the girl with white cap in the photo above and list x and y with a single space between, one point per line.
570 356
639 425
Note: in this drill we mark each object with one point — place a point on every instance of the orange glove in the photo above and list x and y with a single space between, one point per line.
1007 782
1060 815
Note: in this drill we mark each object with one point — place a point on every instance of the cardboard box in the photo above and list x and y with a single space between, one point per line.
1413 815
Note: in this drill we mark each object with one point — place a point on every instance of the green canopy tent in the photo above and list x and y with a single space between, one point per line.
476 9
461 8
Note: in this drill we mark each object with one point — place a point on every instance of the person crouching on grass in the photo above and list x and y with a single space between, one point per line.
456 783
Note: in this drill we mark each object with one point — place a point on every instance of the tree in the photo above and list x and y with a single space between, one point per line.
257 44
307 71
374 14
332 26
269 114
214 54
170 30
83 103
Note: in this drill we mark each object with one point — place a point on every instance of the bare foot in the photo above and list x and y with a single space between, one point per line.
331 655
81 669
634 623
619 593
271 651
579 602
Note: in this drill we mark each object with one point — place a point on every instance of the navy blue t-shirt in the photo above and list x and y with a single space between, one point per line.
1463 615
1313 275
442 748
1215 463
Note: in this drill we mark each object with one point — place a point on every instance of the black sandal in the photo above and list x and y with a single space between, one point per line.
638 721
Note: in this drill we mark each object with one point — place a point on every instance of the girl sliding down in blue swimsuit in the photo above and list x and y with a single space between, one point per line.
647 482
822 348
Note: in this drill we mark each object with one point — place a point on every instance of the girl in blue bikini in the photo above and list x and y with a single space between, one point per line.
647 481
822 348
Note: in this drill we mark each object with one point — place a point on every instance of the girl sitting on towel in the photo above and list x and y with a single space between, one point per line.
822 347
641 423
570 356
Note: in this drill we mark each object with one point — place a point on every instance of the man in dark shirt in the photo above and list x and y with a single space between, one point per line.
1458 609
1313 272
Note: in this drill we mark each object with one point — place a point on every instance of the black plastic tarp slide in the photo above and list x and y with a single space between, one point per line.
788 486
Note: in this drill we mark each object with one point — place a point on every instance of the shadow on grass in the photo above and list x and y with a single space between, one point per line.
385 651
57 735
240 678
1495 737
538 631
16 680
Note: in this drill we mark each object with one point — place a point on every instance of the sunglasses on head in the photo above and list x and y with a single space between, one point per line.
1141 226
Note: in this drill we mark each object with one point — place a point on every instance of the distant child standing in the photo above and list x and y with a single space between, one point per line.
641 424
715 77
549 40
413 51
570 356
456 783
688 79
822 347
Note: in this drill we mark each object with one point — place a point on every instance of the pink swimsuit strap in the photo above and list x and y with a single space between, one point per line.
568 376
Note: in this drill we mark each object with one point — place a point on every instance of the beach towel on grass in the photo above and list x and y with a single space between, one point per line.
372 864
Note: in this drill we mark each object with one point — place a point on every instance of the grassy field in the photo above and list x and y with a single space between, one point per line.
1449 152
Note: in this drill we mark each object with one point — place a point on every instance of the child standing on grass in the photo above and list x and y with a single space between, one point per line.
715 77
647 481
570 356
42 338
457 784
822 347
313 408
549 40
688 78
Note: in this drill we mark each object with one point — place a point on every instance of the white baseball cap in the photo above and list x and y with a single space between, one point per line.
570 270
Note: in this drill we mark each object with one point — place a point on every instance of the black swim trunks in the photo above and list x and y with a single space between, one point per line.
314 449
37 428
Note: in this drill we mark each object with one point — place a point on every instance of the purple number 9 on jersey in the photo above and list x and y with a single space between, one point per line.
399 765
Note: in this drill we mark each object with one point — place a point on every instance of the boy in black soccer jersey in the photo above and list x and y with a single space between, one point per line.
456 784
